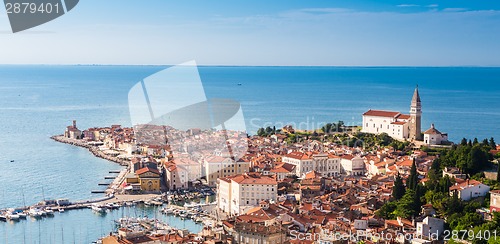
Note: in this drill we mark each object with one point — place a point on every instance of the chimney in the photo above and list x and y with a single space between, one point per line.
74 124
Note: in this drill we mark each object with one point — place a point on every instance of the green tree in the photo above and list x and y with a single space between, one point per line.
339 126
398 190
261 132
493 144
327 129
498 172
444 184
269 130
475 142
452 205
479 158
434 174
463 142
405 207
387 210
464 222
412 180
485 143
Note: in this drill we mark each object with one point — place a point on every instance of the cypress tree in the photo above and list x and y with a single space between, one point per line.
498 173
485 142
413 178
493 145
398 190
475 142
463 142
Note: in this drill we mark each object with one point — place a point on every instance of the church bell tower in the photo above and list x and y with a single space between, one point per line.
415 116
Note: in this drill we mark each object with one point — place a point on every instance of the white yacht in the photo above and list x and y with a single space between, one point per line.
12 216
97 208
22 214
3 217
49 211
35 212
167 211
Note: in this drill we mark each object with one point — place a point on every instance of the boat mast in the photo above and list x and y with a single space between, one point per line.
24 199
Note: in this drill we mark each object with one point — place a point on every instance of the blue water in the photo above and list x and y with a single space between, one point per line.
39 101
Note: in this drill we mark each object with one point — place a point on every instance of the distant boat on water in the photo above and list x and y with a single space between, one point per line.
239 84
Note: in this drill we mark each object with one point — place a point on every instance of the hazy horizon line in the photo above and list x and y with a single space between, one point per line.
237 65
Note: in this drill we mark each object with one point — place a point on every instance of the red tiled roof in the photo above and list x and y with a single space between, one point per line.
297 155
312 174
406 162
279 170
147 169
398 123
381 113
347 156
404 116
253 179
465 184
432 131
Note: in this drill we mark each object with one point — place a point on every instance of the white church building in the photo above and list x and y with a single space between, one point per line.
395 124
434 137
403 126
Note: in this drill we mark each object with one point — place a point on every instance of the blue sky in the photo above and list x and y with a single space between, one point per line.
280 32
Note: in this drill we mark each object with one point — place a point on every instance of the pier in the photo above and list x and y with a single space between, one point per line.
118 199
94 149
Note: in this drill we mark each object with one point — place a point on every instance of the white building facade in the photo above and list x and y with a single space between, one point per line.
326 164
430 228
353 165
237 194
395 124
218 167
469 189
434 137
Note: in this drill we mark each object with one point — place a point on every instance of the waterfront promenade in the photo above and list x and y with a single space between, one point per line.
92 148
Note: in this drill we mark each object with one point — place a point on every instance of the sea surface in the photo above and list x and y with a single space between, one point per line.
40 101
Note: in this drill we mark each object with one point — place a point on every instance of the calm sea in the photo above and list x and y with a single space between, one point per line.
39 101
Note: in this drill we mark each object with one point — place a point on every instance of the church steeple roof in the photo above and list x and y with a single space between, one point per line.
416 97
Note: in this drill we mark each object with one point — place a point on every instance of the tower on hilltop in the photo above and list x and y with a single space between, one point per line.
416 116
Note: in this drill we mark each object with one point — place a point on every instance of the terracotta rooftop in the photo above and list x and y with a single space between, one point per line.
147 169
432 131
381 113
297 155
465 184
398 123
404 116
256 179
